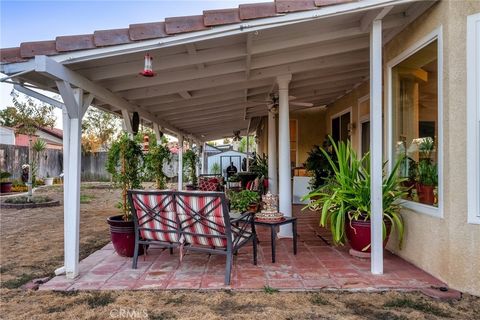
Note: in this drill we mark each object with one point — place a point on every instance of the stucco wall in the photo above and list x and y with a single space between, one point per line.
448 248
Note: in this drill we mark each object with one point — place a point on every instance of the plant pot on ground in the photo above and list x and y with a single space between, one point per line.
125 163
48 181
5 183
345 198
358 233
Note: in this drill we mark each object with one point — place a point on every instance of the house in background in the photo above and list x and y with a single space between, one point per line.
52 136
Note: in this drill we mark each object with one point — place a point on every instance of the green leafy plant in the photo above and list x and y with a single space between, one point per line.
216 168
318 166
346 195
427 173
190 160
157 156
38 148
125 164
259 166
239 201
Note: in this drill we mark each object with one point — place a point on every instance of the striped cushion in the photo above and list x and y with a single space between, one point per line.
201 217
157 219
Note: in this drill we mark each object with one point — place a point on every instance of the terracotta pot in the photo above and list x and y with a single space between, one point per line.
122 234
426 194
5 187
359 234
253 207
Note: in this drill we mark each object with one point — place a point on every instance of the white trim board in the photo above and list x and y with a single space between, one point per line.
436 34
473 118
361 120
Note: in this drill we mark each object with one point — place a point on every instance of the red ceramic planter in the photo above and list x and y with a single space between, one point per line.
359 234
122 234
5 187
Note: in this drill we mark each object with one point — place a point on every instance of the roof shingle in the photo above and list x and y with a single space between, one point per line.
171 26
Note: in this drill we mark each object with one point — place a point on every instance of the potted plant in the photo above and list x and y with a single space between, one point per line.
427 172
5 182
318 166
427 181
157 156
48 180
245 200
344 201
125 164
190 160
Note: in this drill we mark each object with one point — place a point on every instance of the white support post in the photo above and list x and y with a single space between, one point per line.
127 121
180 163
272 152
248 151
204 170
376 161
72 129
284 166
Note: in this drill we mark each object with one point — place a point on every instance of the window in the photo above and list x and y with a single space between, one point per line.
415 111
473 117
341 127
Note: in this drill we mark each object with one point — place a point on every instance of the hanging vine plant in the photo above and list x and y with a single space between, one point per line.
190 160
157 156
125 164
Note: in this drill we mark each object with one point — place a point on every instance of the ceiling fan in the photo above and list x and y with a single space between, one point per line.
273 100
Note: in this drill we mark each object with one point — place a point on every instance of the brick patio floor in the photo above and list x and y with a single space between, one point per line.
317 265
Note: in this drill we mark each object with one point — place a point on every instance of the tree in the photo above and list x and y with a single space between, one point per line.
28 117
8 117
98 129
243 144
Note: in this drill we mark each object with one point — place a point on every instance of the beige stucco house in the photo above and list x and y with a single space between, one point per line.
391 76
443 241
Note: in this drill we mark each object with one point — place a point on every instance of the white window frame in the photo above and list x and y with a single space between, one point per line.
437 34
338 115
473 117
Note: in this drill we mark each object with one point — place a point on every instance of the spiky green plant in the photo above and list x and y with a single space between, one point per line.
346 195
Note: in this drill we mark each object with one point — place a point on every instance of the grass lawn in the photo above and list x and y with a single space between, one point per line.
31 243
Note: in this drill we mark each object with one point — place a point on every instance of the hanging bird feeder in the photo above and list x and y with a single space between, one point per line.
147 69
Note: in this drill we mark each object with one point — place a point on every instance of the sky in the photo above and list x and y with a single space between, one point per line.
22 21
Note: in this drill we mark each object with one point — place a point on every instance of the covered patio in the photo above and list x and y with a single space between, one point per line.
217 74
317 265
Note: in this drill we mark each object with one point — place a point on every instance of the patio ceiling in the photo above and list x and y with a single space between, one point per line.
206 87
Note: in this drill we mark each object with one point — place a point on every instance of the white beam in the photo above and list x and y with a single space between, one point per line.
376 161
238 79
158 132
185 94
284 165
47 65
192 50
248 59
39 96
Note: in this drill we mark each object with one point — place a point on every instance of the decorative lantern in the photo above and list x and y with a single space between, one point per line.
147 69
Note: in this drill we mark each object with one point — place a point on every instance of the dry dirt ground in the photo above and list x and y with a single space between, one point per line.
32 245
